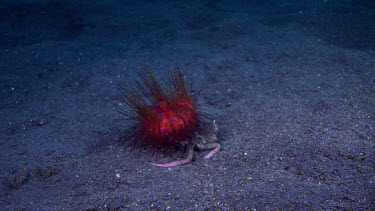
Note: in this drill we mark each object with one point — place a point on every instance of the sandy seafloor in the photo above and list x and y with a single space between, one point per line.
290 83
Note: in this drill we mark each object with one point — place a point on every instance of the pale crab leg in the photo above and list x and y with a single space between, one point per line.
217 148
179 162
214 146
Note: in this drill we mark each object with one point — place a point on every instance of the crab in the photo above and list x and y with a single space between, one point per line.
201 143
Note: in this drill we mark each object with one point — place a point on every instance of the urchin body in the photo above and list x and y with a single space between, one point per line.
166 118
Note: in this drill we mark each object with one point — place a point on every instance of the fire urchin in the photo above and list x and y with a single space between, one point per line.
168 117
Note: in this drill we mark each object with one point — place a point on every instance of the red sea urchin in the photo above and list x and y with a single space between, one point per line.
165 117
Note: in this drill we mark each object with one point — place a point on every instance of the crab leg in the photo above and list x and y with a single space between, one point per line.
214 146
179 162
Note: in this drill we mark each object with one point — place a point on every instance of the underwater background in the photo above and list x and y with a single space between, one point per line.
290 83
